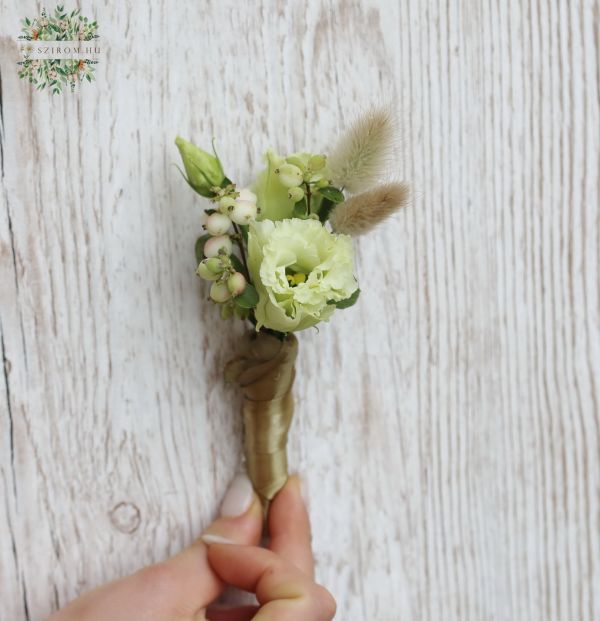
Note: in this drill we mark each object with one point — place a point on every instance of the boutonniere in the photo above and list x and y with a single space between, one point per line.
279 255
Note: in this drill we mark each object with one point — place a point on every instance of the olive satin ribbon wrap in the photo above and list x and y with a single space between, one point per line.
265 371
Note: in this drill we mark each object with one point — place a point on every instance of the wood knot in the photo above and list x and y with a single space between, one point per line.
125 517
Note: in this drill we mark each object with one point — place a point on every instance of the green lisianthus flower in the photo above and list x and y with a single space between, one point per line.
300 270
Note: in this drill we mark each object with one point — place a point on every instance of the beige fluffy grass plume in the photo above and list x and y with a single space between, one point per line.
360 213
364 152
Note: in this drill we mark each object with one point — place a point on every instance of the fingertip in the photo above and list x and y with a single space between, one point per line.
238 498
297 484
228 561
289 526
243 529
291 491
253 511
289 501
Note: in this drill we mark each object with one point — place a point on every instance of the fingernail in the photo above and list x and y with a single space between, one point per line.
208 539
238 498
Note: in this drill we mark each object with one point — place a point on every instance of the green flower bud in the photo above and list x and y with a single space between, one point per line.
219 292
316 178
236 283
289 175
296 161
296 194
322 183
203 170
317 162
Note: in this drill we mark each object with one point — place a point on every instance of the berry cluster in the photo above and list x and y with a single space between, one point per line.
233 207
304 175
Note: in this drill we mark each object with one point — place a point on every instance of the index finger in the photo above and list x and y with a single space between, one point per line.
283 591
289 527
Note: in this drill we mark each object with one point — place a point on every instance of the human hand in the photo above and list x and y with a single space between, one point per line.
182 587
282 577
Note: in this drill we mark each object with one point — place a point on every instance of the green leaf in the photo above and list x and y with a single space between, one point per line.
348 302
331 193
199 247
300 209
244 230
325 210
247 299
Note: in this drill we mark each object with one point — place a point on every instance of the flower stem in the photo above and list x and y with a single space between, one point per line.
240 242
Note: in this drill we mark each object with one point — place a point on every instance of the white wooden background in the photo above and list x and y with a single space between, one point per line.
448 425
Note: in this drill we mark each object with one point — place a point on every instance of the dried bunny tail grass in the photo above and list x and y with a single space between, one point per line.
363 153
360 213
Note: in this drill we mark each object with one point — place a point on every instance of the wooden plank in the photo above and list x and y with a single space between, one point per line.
447 425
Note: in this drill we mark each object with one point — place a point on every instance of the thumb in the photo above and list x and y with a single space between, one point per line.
183 585
193 582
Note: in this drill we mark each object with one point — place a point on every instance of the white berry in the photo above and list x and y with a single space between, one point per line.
217 224
216 244
219 292
247 195
244 212
205 273
236 283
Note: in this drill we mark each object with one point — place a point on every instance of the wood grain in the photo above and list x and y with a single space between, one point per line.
448 425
